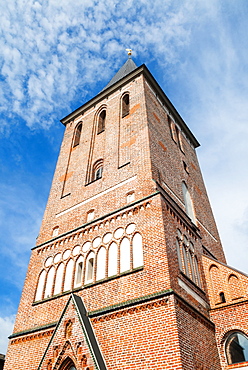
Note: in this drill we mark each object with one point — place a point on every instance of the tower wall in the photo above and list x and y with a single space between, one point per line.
124 241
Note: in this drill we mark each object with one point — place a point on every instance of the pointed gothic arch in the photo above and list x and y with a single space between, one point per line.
101 121
125 105
67 364
77 134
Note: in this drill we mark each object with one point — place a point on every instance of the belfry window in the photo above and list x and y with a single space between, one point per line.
236 348
77 134
188 203
125 105
97 170
175 133
101 121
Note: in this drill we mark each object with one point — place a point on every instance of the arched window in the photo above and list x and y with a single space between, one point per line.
125 105
55 231
68 275
97 170
40 286
90 215
59 279
112 259
198 279
179 138
101 264
137 250
77 134
192 272
89 273
235 286
101 121
49 282
217 283
67 365
175 133
188 203
79 271
222 297
185 258
236 348
125 255
172 129
130 197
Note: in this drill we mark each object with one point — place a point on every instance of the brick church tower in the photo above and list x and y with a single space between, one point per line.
128 271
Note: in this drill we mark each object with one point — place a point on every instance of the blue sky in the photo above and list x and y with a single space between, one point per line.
55 55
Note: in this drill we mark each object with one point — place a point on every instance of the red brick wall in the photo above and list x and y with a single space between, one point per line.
232 314
152 335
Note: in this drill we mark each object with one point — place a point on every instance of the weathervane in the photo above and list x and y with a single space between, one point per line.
129 52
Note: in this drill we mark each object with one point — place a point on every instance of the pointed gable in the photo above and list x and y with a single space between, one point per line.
225 285
73 342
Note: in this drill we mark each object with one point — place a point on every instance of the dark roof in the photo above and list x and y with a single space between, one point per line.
127 67
121 79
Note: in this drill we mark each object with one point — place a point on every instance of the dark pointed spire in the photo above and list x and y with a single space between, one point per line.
128 66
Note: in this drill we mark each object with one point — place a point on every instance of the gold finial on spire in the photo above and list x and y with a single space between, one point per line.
129 52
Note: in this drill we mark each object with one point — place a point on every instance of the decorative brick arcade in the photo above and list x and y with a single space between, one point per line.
128 271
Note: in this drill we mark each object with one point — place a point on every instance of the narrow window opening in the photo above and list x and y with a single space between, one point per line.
175 133
125 105
40 287
222 298
179 254
101 121
77 135
185 260
179 138
97 170
192 273
55 231
89 273
130 197
79 273
98 173
101 264
90 269
186 168
198 279
172 129
188 203
90 215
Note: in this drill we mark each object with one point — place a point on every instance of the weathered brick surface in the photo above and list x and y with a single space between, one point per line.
141 330
231 315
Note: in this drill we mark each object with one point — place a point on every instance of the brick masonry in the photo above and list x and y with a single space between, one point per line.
157 315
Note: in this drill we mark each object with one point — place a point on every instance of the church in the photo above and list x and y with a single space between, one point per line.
128 270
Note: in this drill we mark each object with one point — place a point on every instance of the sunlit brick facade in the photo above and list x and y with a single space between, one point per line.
128 271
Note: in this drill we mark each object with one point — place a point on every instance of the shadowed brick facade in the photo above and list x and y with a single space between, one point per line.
128 270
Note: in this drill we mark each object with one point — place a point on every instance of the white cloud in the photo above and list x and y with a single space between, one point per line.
57 49
47 50
213 78
54 52
6 325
